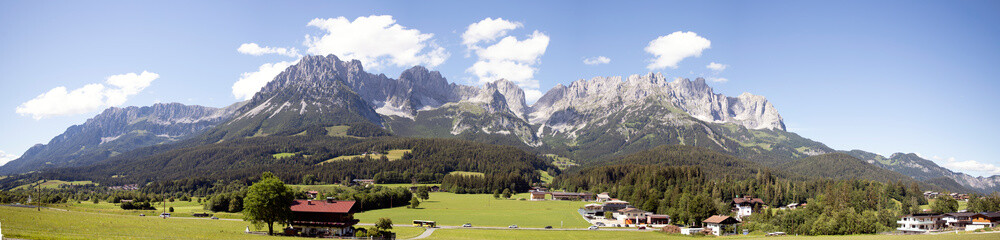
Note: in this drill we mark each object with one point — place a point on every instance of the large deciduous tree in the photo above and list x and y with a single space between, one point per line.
268 201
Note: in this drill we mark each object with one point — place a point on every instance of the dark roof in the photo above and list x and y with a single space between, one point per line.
960 214
747 200
322 206
659 216
571 194
721 219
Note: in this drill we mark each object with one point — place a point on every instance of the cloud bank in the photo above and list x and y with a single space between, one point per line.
62 101
596 60
376 41
671 49
509 58
257 50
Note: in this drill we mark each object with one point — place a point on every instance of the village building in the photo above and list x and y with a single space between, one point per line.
603 197
719 223
983 220
657 220
312 194
920 223
537 196
571 196
364 182
324 217
744 206
615 205
957 220
632 215
593 209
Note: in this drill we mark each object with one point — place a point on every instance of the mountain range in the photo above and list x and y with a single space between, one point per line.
587 121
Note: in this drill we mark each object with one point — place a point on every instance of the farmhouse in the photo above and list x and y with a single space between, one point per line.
920 223
324 218
744 206
957 220
537 196
572 196
312 194
593 209
983 220
718 223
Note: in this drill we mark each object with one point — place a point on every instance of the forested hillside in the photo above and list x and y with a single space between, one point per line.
428 160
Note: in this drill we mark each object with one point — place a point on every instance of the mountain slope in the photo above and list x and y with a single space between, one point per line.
118 130
925 170
842 166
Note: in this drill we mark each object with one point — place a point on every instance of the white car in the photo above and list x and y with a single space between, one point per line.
592 228
512 226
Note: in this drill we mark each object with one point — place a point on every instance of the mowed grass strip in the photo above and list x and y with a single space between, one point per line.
461 234
392 155
483 210
29 223
51 184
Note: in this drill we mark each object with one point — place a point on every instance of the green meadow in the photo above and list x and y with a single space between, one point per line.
483 210
462 234
30 223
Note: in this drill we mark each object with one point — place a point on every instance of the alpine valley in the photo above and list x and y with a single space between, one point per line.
590 121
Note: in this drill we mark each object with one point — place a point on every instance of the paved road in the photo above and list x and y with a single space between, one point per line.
427 233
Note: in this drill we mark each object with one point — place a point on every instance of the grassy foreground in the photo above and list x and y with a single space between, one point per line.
29 223
460 234
451 209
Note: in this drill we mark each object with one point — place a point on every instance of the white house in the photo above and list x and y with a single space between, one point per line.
920 223
744 206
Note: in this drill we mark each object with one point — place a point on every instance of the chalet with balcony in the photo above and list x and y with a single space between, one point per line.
324 218
744 206
921 223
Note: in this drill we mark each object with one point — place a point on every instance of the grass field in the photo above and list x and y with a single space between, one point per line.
282 155
407 185
30 223
51 184
561 162
962 205
546 177
458 234
482 210
392 155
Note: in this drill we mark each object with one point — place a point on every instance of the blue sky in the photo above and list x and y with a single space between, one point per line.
913 76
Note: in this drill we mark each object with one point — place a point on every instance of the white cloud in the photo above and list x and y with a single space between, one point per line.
966 166
596 60
718 67
487 30
509 58
257 50
251 82
717 79
61 101
375 41
6 157
671 49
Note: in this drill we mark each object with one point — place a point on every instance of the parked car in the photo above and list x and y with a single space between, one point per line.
776 234
467 225
142 214
592 228
215 218
512 226
600 224
548 227
642 227
165 215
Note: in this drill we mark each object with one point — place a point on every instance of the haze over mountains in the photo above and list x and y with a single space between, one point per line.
587 121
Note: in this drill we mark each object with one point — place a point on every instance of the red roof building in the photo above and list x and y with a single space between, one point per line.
324 218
